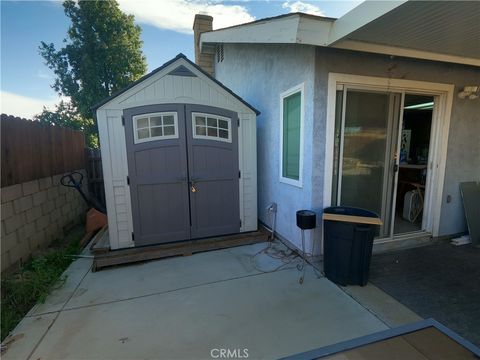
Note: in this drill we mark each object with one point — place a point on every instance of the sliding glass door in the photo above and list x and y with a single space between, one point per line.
366 140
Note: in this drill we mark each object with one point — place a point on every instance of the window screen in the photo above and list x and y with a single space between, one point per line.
291 136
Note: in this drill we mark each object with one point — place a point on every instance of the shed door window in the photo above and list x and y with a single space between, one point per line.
212 127
291 137
156 126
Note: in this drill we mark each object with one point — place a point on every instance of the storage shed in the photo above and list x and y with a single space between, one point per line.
179 158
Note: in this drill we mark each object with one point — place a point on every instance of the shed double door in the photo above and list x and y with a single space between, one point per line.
183 172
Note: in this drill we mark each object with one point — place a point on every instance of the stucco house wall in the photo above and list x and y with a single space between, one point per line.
463 152
260 74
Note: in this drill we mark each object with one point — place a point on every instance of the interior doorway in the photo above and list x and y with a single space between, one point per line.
414 149
381 152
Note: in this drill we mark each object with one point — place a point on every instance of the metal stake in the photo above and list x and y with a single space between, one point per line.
302 267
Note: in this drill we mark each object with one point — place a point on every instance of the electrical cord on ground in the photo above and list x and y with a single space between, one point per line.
272 210
284 254
319 273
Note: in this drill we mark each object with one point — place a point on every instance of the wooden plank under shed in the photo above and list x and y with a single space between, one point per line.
184 248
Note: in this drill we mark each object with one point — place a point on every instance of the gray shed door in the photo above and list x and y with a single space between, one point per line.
183 172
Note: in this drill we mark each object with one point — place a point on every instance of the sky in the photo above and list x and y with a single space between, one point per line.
166 31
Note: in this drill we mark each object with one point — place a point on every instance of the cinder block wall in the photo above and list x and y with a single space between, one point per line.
34 214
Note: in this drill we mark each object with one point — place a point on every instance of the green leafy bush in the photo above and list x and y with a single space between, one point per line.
35 279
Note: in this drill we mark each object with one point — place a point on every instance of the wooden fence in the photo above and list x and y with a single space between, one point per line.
31 150
93 166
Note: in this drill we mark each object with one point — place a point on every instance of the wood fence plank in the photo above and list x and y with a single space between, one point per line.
30 150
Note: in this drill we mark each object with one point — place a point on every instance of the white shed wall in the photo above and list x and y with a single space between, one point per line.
164 89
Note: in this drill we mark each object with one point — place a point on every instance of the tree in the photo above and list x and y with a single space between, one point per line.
102 54
66 115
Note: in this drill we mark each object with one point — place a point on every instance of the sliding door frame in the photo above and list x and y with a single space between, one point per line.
395 101
443 95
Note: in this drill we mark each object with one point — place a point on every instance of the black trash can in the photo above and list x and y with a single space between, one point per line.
348 241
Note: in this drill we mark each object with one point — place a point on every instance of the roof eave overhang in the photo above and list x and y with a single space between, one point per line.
316 31
378 49
404 52
291 29
360 16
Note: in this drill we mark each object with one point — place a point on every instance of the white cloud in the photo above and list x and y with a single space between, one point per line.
24 106
178 15
299 6
43 75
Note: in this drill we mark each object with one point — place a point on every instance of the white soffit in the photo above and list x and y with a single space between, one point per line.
441 27
359 16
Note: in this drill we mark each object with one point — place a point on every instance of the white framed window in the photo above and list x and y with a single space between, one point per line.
291 135
212 127
155 126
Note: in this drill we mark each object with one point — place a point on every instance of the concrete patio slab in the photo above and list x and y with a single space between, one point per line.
182 308
120 283
26 336
271 315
